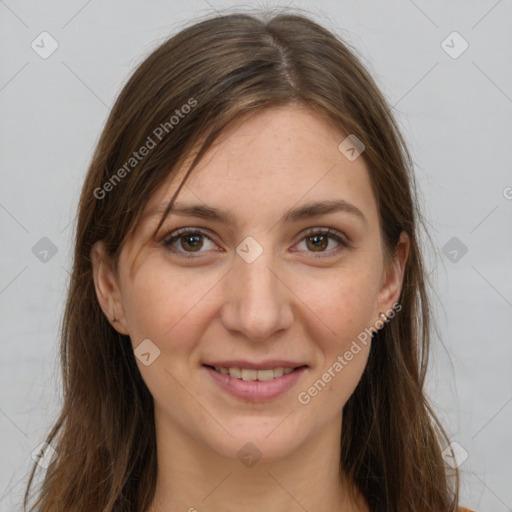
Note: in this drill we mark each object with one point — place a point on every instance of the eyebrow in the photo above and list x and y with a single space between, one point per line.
306 211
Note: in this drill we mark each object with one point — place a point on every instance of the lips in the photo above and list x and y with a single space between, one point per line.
251 388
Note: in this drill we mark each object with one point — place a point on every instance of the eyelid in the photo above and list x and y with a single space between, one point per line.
342 240
325 232
176 234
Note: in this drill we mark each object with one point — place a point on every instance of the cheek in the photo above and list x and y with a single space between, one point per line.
160 301
344 302
168 306
345 307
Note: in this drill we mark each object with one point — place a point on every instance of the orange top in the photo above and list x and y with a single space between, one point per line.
463 509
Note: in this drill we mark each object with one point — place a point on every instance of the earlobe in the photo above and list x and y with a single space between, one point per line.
107 287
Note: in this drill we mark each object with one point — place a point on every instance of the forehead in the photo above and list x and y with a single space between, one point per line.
269 162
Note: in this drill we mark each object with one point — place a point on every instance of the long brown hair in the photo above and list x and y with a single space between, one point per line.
223 68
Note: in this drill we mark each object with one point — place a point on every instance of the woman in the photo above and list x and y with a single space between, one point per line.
247 325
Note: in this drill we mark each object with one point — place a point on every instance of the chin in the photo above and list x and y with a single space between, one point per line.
264 440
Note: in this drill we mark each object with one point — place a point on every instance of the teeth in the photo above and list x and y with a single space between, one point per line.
279 372
249 374
261 374
236 373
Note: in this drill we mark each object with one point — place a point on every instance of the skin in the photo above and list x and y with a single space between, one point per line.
286 304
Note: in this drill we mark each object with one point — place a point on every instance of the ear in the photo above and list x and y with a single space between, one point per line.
393 276
106 283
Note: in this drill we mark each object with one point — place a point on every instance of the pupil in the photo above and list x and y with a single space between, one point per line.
318 241
192 244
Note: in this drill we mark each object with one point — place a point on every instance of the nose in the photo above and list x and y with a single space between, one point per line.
258 302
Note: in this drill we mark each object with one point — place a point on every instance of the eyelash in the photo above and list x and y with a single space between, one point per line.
172 237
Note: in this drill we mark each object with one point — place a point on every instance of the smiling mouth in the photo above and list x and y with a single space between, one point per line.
247 374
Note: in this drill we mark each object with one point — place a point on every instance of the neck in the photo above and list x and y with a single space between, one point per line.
193 477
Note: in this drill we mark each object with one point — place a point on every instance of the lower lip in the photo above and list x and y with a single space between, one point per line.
255 390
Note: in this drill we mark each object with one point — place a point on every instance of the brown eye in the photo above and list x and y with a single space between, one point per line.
186 242
192 242
318 240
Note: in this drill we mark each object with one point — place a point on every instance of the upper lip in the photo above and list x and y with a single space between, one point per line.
263 365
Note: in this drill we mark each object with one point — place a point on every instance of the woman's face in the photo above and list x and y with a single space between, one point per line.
257 284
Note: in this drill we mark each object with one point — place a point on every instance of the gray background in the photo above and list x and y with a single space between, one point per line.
456 117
